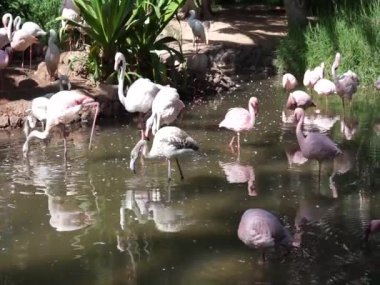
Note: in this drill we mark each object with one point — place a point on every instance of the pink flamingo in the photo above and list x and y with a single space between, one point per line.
373 227
325 88
166 107
300 99
6 31
311 77
346 84
238 173
26 37
289 82
314 145
63 108
4 62
259 228
240 119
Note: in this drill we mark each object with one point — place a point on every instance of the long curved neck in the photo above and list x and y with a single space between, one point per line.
299 134
141 144
120 90
17 23
9 26
252 113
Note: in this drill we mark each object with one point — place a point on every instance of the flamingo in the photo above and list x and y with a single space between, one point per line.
314 145
325 88
52 55
169 142
311 77
300 99
6 31
373 227
259 228
140 94
39 106
238 173
346 84
62 109
4 62
289 82
26 37
69 12
240 119
166 107
198 28
16 24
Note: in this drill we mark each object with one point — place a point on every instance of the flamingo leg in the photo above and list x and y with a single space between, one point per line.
64 142
238 143
22 62
179 168
30 56
231 142
319 174
169 170
96 104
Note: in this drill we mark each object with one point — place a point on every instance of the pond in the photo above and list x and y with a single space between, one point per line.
93 221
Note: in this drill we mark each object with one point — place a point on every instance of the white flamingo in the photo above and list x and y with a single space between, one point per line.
311 77
140 94
63 108
6 31
52 55
289 82
169 142
166 107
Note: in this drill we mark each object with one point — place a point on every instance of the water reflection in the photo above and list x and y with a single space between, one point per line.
295 156
349 127
238 173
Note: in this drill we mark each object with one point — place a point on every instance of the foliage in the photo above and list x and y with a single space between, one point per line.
131 27
354 35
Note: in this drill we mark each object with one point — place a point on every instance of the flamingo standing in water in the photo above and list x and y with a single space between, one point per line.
166 107
324 87
4 62
314 145
259 228
346 84
311 77
140 94
240 119
289 82
63 108
6 31
169 142
300 99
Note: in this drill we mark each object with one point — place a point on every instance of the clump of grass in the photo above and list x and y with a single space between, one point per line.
353 34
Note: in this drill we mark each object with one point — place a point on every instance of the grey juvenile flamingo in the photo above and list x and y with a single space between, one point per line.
168 142
314 145
259 228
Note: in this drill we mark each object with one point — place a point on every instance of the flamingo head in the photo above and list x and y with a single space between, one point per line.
254 102
336 61
191 14
119 61
299 113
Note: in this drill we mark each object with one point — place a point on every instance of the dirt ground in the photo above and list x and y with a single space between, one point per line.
250 25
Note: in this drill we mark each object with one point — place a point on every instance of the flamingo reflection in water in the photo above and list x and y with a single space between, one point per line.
238 173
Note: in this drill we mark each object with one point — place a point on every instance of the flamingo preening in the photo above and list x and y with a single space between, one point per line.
240 119
169 142
346 84
314 145
259 228
63 108
140 94
166 107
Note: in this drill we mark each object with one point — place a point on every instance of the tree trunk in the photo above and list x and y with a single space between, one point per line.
296 14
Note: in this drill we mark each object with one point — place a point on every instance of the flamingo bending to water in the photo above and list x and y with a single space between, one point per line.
259 228
169 142
240 119
166 107
314 145
63 108
300 99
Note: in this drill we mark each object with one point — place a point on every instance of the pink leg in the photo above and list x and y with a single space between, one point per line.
238 144
231 142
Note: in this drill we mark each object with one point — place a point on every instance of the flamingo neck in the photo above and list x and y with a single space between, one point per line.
17 23
252 113
299 134
9 26
120 90
142 146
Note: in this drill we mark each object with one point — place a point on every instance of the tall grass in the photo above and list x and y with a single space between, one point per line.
353 33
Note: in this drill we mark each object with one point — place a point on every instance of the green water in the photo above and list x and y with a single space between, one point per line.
95 222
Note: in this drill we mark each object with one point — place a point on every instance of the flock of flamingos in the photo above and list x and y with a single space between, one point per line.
258 227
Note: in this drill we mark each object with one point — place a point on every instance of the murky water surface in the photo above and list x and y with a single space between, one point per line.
95 222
